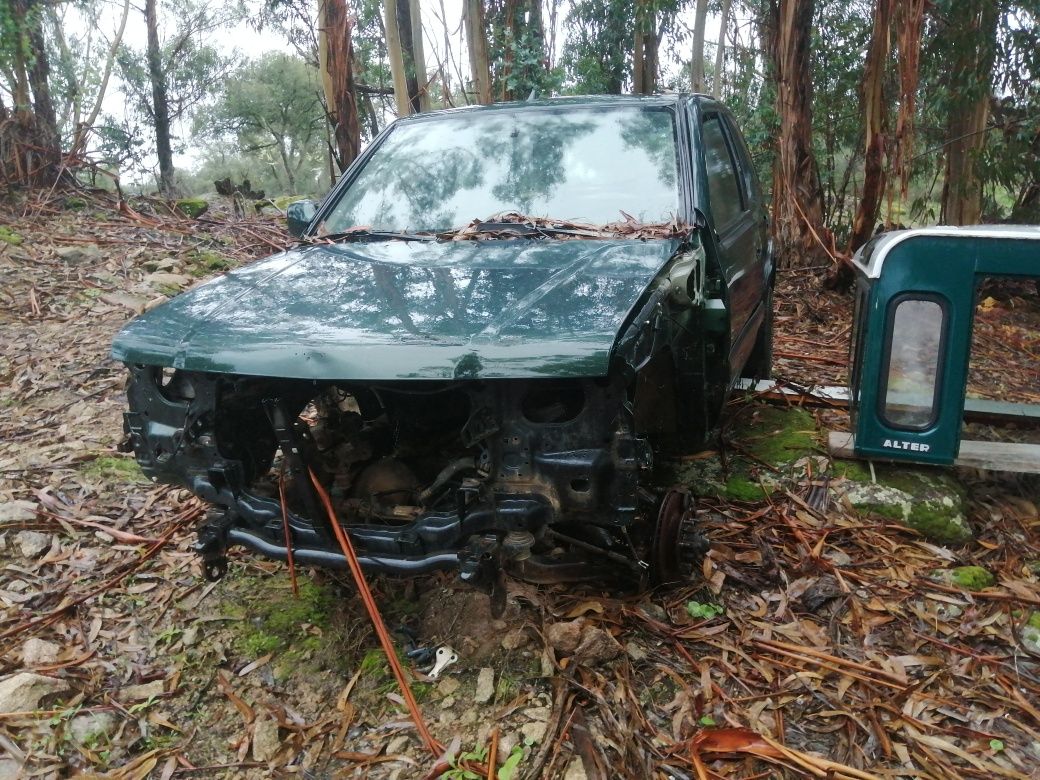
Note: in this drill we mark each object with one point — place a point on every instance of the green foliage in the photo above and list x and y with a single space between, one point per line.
272 108
597 55
704 611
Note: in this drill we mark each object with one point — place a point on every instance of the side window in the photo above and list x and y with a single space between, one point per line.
913 366
744 165
723 186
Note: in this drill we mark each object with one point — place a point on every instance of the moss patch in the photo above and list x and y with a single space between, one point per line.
284 201
929 501
765 442
75 204
967 577
10 237
113 469
192 207
776 435
204 262
740 488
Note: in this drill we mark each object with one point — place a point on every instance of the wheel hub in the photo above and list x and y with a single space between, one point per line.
677 546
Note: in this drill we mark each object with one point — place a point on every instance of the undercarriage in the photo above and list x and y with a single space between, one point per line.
536 478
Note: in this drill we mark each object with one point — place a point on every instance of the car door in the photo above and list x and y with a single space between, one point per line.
736 216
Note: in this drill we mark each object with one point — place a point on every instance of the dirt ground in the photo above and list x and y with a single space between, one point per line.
817 642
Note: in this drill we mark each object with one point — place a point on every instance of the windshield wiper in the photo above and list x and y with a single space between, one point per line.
521 229
380 235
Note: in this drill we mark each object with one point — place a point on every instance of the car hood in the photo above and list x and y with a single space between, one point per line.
406 310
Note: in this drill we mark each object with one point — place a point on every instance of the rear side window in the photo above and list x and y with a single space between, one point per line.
916 336
723 185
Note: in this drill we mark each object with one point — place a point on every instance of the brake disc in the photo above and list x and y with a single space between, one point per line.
677 546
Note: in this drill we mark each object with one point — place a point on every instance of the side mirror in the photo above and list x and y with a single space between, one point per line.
299 215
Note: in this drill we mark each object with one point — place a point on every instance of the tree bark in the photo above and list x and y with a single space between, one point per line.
82 128
645 54
797 197
476 41
700 19
160 102
909 24
720 51
973 29
407 63
875 114
337 66
39 82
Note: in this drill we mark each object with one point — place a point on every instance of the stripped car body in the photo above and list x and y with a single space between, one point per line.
489 404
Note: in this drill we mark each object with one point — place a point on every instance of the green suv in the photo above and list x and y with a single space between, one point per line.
485 333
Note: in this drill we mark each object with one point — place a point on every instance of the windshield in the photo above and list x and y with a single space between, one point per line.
582 165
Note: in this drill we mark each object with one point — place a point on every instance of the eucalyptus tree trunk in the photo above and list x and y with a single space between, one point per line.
909 24
83 127
160 101
404 43
797 196
973 29
720 51
875 115
645 54
336 52
700 19
476 41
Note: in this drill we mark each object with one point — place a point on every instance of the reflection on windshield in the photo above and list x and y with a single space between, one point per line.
585 165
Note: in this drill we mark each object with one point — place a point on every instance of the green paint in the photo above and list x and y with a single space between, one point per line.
944 266
192 207
9 236
556 314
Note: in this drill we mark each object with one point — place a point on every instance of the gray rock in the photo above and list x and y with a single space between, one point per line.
565 636
933 509
160 278
635 652
78 253
39 652
142 692
597 646
515 639
265 740
32 543
23 692
92 727
398 745
534 732
448 686
485 685
18 511
575 770
10 769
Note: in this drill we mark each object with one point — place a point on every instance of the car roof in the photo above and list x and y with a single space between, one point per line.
575 101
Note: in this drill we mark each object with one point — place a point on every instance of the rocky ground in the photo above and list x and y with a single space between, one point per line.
849 621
